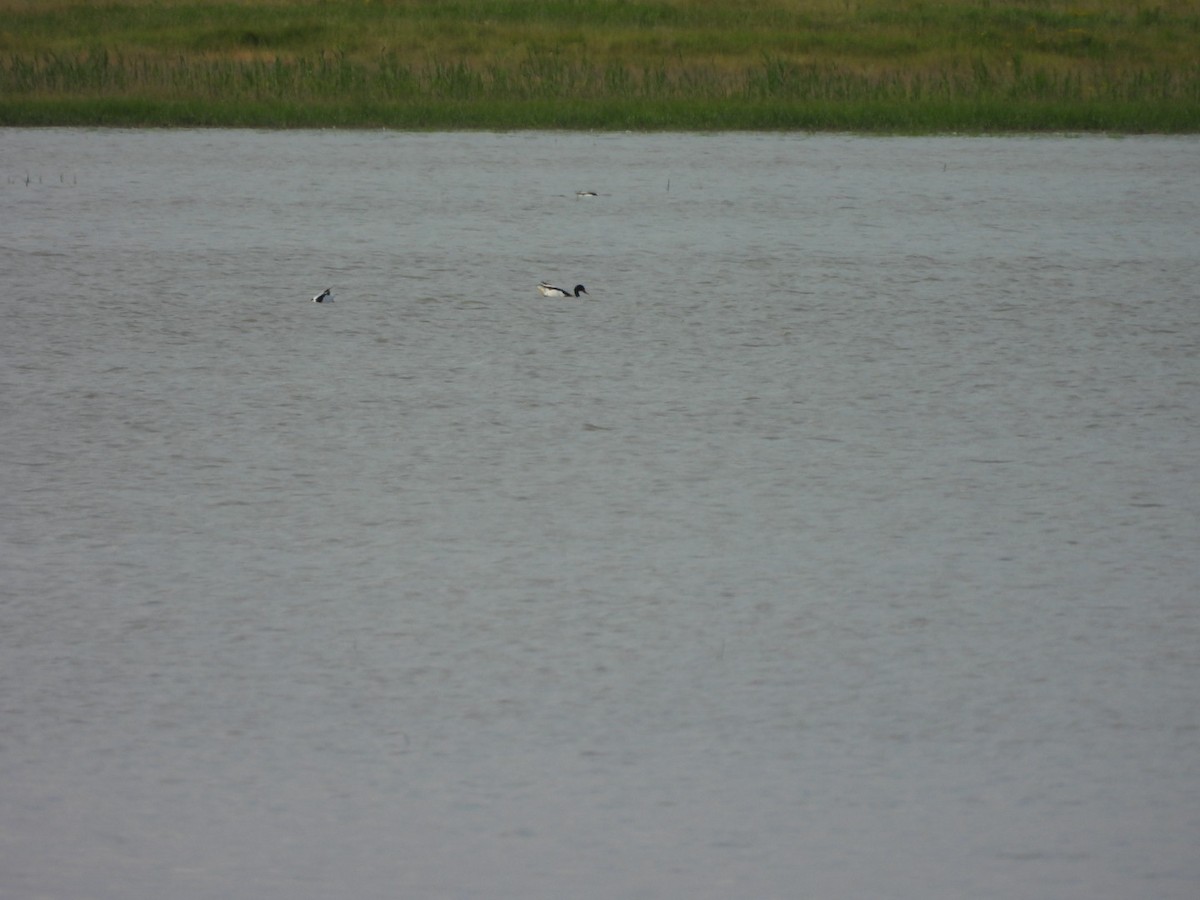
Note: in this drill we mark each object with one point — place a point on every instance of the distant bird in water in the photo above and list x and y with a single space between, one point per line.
586 194
326 296
549 290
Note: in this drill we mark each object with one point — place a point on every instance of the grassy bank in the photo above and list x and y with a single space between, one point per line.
867 65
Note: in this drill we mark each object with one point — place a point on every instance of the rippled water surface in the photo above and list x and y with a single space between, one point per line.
840 543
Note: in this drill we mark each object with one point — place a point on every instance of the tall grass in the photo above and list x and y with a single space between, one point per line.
906 65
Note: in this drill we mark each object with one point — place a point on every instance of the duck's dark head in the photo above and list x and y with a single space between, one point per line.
580 289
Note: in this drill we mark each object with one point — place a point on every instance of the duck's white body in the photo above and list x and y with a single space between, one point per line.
549 290
326 296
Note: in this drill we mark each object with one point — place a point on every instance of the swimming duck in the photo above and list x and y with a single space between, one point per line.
326 296
549 290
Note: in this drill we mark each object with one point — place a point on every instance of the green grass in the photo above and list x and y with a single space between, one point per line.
875 65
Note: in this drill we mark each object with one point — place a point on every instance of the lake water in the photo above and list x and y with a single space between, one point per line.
840 543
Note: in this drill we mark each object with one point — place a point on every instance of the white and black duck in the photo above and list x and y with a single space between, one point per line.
548 290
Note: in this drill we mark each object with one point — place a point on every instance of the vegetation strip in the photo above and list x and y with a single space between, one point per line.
865 65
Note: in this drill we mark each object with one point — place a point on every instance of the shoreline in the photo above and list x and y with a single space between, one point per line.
869 66
878 118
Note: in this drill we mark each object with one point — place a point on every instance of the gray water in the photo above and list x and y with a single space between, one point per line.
840 543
